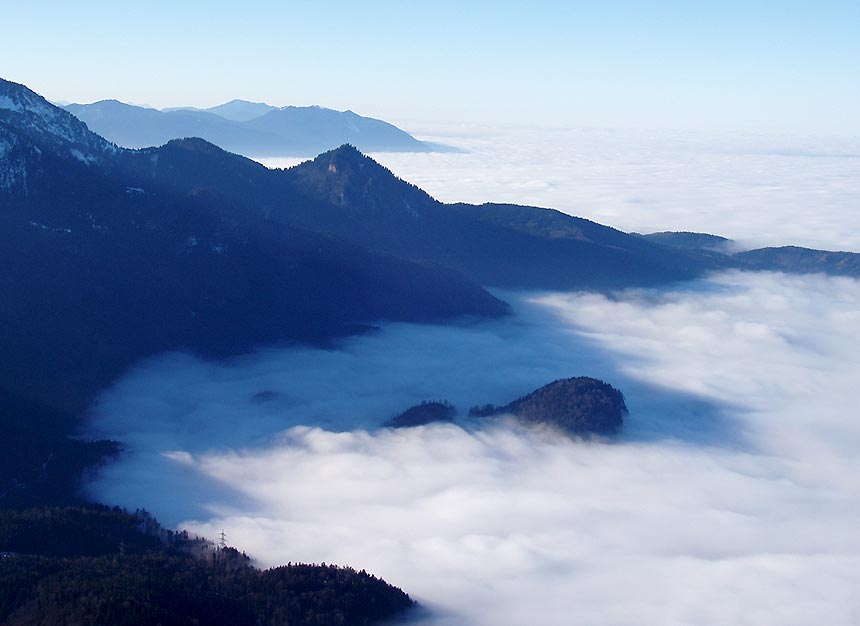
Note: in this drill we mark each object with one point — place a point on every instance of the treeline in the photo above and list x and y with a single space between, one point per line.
91 530
123 569
579 406
425 413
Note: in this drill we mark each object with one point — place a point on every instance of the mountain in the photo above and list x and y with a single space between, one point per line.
249 128
95 565
347 194
108 255
791 259
577 406
241 110
235 110
692 241
138 127
105 258
802 260
39 460
311 130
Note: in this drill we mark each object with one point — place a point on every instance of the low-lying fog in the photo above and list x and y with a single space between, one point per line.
762 190
733 496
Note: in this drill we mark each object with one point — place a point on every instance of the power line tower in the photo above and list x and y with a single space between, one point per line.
222 540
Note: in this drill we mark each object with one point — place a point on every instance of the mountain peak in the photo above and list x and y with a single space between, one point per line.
28 114
241 110
345 176
193 144
240 101
17 98
345 152
348 162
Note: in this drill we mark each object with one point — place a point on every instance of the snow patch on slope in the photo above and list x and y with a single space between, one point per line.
46 124
83 158
7 103
13 167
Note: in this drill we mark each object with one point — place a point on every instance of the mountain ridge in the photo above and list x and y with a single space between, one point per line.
252 129
188 246
133 263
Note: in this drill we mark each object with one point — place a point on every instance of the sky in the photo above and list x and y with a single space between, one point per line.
788 66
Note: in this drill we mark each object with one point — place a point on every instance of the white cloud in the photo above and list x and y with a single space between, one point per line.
732 497
760 189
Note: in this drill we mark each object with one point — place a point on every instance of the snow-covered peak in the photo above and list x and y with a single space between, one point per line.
29 113
19 99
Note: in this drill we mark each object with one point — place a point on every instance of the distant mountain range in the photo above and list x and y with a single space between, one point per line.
253 129
108 255
236 110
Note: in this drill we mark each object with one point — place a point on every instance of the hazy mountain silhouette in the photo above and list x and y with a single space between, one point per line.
138 127
792 259
235 110
802 260
249 128
241 110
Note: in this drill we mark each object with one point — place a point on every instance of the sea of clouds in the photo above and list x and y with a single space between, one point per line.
761 190
731 497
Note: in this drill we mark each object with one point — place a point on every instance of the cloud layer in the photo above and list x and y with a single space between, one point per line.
759 189
732 497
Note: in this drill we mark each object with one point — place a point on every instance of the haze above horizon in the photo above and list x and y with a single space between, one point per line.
742 66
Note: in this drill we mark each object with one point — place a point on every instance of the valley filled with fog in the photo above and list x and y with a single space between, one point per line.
731 494
760 189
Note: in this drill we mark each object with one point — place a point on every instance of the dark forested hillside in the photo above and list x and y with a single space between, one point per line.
83 566
578 406
501 245
427 412
110 255
106 258
39 462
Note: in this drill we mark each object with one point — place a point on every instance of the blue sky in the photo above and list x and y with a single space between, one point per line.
789 66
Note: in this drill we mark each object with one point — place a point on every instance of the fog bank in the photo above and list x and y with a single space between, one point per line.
763 190
731 498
